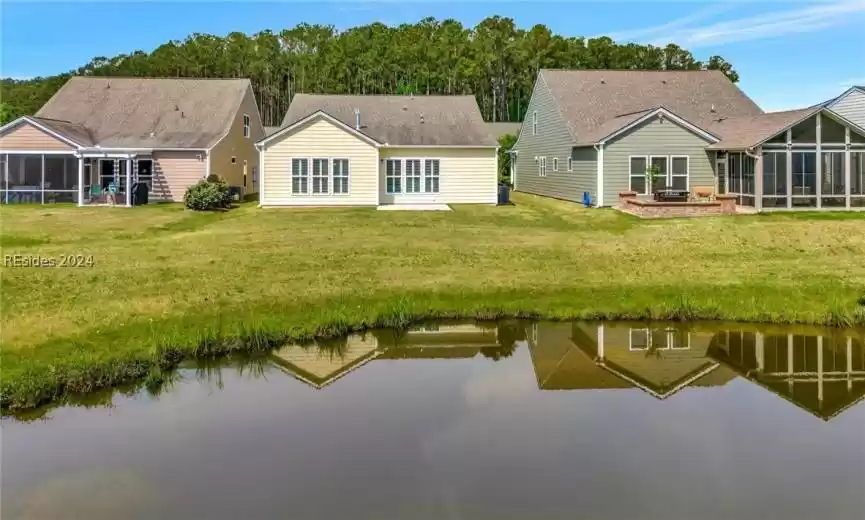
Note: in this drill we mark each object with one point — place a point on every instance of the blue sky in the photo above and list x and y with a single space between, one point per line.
788 54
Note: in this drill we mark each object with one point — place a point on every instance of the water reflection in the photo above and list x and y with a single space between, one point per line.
821 371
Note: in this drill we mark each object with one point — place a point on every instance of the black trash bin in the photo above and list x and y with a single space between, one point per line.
139 193
504 194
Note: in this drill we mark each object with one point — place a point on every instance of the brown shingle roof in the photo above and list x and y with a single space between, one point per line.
77 133
594 102
401 120
148 112
747 132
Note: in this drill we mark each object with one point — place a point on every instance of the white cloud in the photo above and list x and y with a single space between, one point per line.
678 23
769 25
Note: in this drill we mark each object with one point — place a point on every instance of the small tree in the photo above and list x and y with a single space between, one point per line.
506 142
652 174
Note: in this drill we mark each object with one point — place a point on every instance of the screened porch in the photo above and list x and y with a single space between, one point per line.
817 164
45 178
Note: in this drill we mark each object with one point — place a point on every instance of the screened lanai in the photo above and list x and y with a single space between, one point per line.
816 163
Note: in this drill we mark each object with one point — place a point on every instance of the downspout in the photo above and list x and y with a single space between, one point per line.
260 150
599 148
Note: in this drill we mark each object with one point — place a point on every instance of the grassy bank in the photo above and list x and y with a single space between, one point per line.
166 283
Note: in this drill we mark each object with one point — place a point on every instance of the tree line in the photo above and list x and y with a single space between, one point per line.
496 61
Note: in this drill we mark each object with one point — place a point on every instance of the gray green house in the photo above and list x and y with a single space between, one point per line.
596 132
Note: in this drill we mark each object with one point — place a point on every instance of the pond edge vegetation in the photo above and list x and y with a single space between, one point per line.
40 384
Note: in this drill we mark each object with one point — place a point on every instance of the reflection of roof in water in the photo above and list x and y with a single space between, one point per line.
802 386
660 373
560 365
319 366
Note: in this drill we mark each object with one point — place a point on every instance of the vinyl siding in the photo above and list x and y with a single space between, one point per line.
173 172
235 145
466 175
320 138
655 137
553 140
851 106
25 136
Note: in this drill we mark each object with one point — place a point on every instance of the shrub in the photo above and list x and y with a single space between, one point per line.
207 195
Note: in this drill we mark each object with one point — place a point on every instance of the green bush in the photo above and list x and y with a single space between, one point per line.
207 195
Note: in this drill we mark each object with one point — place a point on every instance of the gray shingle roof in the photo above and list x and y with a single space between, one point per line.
747 132
401 120
595 102
147 112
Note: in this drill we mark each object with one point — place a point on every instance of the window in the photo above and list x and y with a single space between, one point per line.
679 166
832 189
233 159
299 176
775 179
246 126
340 176
857 178
320 177
393 176
542 167
804 174
659 339
638 174
570 164
535 122
145 173
254 175
555 164
431 176
412 176
661 181
244 173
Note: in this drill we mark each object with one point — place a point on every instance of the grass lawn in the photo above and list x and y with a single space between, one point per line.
167 283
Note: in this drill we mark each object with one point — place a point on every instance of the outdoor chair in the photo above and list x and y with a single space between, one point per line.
703 193
95 193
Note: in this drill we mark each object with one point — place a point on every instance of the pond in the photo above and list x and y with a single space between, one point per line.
508 420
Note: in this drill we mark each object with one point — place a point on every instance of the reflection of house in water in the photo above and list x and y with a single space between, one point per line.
659 361
322 363
822 374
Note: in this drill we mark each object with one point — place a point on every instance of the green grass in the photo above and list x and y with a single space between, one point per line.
170 284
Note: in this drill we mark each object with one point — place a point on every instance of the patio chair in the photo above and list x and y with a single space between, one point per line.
95 193
703 193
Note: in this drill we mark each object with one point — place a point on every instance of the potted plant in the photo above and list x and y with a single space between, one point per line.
652 174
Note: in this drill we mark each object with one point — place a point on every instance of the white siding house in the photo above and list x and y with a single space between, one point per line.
379 150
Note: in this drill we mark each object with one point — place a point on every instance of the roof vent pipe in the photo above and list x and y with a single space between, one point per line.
357 118
421 119
712 109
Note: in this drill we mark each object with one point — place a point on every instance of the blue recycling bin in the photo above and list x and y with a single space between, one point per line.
504 194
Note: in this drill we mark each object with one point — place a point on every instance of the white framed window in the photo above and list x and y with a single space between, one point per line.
679 172
542 166
246 126
659 339
570 164
413 176
638 167
535 122
663 164
431 176
299 176
320 177
393 176
233 159
340 176
555 164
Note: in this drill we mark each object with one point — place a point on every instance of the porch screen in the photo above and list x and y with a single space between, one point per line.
39 178
804 189
832 189
857 179
775 179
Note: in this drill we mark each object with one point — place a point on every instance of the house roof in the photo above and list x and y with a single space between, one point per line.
401 120
597 103
74 132
145 112
500 129
747 132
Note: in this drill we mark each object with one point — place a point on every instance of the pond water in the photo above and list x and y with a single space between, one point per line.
507 420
